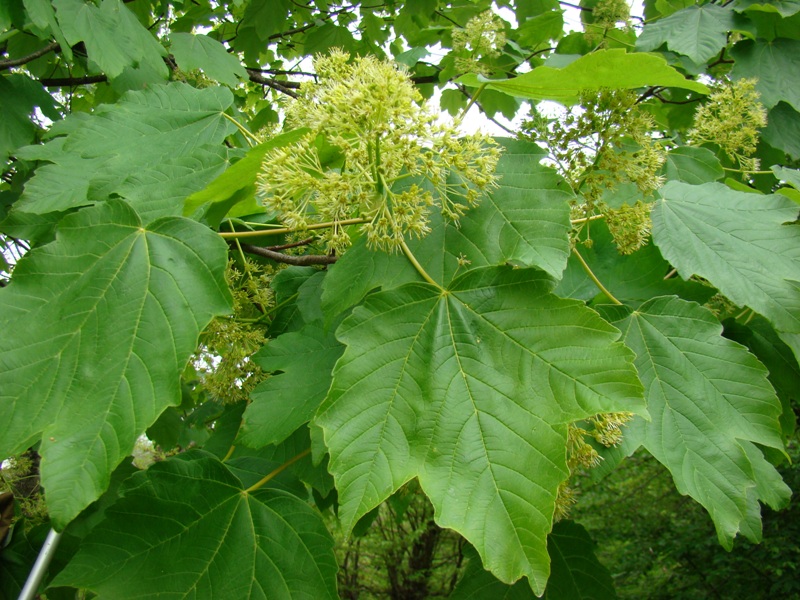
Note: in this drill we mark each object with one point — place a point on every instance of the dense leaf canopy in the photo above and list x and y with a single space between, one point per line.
245 249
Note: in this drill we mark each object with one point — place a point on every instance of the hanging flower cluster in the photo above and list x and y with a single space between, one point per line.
374 154
606 430
731 119
602 143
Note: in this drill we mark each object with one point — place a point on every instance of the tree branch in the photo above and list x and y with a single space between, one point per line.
72 81
299 261
283 86
15 62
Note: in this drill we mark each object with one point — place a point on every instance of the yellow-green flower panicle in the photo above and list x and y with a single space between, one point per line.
483 37
731 119
371 114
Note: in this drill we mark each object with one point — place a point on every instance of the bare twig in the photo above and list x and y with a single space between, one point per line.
72 81
299 261
282 86
15 62
304 242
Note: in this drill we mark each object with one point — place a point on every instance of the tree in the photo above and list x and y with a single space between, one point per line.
246 237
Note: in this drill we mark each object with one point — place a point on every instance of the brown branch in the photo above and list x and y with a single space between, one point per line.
283 86
15 62
304 242
72 81
299 261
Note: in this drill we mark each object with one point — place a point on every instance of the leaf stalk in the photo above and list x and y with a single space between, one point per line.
263 481
594 278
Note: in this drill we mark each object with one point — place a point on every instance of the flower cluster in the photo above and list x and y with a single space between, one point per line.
605 429
602 143
223 362
607 13
367 133
483 37
731 119
629 226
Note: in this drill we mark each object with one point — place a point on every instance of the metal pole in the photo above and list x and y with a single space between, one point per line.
40 566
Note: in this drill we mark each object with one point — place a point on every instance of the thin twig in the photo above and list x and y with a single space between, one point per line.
304 242
15 62
278 471
282 87
299 261
72 81
282 230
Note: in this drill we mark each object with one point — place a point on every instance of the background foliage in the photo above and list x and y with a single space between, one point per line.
217 381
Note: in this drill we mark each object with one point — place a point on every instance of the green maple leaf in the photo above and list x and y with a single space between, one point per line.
470 389
744 244
21 95
783 129
237 185
153 148
631 278
94 331
710 403
231 543
601 69
577 574
698 32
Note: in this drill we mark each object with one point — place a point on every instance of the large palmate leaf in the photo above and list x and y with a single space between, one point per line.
601 69
470 389
742 243
710 401
577 574
135 149
94 331
113 36
525 221
698 32
784 372
772 64
229 542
